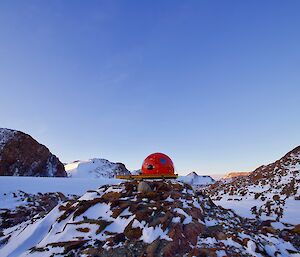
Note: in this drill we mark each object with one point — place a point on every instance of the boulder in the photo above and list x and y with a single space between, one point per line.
143 187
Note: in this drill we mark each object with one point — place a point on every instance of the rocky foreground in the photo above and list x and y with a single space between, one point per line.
26 208
146 219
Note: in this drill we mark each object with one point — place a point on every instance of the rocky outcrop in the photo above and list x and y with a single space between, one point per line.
21 155
167 221
266 191
96 168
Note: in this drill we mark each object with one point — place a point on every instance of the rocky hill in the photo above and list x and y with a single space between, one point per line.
95 168
152 219
21 155
270 192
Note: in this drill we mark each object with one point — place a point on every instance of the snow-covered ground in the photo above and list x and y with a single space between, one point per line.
33 185
243 208
271 192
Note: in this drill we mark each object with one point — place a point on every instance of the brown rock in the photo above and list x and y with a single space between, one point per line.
192 231
270 230
110 196
177 187
245 241
151 196
119 238
195 253
196 213
179 244
163 220
175 195
83 230
296 229
151 249
116 212
143 214
162 187
102 225
69 245
207 252
132 233
220 235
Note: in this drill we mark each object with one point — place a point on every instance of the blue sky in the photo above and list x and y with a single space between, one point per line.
213 84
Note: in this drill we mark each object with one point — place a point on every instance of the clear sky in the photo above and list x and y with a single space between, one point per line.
213 84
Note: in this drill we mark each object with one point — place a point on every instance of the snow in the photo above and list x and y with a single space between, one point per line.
176 219
188 219
251 247
210 222
149 234
241 208
182 212
221 253
278 225
291 211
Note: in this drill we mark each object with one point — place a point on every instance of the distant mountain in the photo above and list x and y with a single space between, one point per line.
95 168
196 180
21 155
270 192
236 174
218 176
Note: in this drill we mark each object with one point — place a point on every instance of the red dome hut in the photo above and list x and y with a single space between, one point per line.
158 164
155 166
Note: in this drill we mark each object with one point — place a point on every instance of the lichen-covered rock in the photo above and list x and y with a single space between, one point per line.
21 155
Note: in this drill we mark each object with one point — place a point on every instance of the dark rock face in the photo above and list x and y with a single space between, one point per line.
21 155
